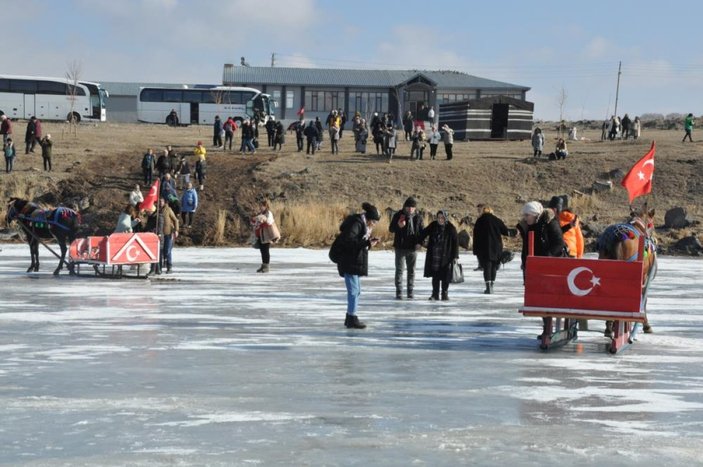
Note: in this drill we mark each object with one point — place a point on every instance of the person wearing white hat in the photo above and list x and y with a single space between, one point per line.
548 239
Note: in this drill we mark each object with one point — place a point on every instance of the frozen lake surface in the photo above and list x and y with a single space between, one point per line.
218 365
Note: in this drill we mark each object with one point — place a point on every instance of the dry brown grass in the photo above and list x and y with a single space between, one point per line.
220 227
314 223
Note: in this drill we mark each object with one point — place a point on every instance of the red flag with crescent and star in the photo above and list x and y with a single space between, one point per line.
638 180
151 198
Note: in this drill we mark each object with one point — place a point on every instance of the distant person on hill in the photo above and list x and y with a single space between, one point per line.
537 142
5 128
30 135
46 146
172 118
148 165
350 251
270 130
230 127
217 132
391 141
279 135
311 134
200 171
448 141
361 135
199 150
406 226
626 123
300 134
408 120
688 127
172 160
636 128
342 121
418 144
247 138
168 188
561 151
434 137
614 127
320 133
162 164
136 196
183 173
8 150
604 130
189 204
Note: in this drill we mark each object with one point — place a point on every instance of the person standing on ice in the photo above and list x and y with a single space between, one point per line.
488 243
442 250
350 251
266 232
406 224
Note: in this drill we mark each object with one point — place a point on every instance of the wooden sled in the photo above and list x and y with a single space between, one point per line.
568 290
113 256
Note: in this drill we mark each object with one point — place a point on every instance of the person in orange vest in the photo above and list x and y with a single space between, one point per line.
570 227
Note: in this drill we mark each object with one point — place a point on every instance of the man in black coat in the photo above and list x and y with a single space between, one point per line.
350 251
488 244
442 250
312 135
406 224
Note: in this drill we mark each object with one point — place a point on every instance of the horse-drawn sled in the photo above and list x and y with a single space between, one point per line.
120 255
564 291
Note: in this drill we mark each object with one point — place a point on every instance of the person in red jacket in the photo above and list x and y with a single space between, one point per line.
5 128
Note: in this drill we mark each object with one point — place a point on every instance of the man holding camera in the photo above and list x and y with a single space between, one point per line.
406 224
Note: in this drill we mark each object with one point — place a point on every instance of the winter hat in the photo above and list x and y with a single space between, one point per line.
533 207
410 203
371 212
556 203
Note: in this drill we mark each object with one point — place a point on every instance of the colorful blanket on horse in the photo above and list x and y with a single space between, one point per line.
617 233
45 217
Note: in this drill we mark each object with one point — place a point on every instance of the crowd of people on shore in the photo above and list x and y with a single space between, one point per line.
33 137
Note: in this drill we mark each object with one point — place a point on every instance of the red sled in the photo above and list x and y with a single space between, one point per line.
115 251
569 290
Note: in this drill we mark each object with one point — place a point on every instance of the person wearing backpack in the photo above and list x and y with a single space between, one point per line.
350 251
148 165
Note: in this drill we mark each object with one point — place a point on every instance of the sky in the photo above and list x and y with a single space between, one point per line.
556 48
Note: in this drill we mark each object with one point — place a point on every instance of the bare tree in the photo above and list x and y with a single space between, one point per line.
561 99
74 73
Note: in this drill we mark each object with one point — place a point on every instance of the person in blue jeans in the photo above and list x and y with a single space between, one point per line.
350 251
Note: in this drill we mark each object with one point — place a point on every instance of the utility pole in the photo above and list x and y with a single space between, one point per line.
617 89
273 59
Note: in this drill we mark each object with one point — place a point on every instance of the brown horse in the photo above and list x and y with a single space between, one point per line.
621 242
60 224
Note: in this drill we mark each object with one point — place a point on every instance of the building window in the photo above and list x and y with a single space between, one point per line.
289 99
366 103
276 95
322 101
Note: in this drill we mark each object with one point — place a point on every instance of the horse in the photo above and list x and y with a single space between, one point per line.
621 242
60 223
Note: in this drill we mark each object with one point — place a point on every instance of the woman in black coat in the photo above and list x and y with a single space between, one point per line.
488 244
442 250
350 251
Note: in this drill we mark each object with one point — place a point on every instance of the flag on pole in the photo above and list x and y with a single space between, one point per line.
151 198
301 111
638 180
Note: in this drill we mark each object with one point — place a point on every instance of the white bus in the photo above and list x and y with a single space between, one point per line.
201 105
51 99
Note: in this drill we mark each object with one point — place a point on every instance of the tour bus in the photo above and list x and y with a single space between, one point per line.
51 99
200 105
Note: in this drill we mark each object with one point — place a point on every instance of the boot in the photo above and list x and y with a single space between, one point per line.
434 297
352 322
265 267
491 287
261 268
488 288
410 294
398 294
445 295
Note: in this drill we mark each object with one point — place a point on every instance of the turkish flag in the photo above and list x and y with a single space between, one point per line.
151 198
301 111
638 180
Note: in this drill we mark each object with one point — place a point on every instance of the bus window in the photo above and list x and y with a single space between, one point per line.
4 85
25 86
75 90
51 87
152 95
191 95
172 95
207 97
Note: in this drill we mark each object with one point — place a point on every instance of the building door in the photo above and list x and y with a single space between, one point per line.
417 102
194 113
499 121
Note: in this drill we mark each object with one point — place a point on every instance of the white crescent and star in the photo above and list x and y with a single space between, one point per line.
129 256
571 282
